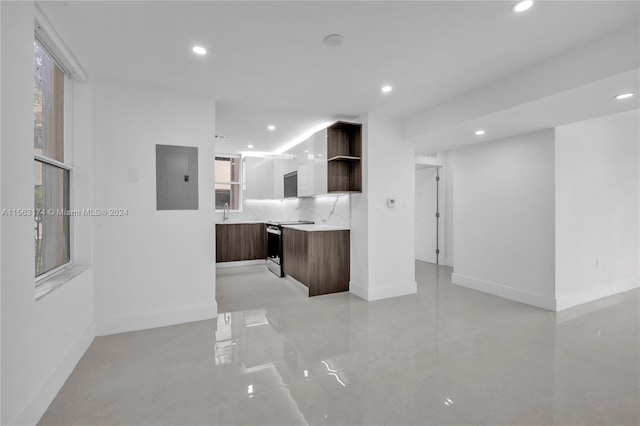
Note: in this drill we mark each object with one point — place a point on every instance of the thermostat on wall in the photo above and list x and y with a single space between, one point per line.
391 202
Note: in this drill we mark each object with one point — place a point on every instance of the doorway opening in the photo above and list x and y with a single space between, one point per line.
428 218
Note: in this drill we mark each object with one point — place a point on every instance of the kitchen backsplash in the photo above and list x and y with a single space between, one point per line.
261 210
325 210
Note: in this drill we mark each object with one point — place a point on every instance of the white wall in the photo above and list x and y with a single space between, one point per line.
382 239
359 216
41 340
152 268
597 212
504 217
0 224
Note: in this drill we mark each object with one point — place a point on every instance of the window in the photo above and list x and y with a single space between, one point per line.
51 174
228 182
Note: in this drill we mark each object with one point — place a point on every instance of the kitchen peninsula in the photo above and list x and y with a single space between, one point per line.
318 257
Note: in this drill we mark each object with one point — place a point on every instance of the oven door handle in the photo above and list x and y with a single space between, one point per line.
274 231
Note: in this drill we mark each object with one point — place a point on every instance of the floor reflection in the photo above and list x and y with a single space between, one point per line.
444 356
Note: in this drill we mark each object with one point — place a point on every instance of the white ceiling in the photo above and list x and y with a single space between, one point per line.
267 63
546 112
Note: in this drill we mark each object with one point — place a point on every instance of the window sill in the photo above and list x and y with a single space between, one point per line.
56 280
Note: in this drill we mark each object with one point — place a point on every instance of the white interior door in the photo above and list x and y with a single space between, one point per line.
426 207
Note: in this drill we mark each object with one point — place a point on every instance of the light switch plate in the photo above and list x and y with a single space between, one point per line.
134 175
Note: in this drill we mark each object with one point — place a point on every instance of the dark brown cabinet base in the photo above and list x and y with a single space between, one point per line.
318 259
240 241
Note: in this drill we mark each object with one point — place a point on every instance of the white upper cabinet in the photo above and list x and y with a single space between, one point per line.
303 152
277 178
311 159
280 166
258 182
320 162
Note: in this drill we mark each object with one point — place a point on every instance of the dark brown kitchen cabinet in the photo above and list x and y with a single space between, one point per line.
318 259
240 241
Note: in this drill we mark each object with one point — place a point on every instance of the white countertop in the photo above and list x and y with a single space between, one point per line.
313 228
239 222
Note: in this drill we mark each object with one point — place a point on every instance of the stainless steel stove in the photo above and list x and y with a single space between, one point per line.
274 243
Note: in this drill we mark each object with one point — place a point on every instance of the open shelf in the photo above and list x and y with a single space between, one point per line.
344 176
344 150
344 140
344 158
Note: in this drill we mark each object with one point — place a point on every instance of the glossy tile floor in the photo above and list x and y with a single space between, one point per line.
446 356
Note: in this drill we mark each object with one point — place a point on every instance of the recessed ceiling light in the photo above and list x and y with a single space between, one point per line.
522 6
199 50
624 96
306 150
249 146
386 89
271 127
333 40
480 132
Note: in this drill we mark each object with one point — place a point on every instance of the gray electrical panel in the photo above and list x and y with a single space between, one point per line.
176 177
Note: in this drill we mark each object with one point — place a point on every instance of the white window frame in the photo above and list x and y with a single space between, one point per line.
67 149
49 40
239 183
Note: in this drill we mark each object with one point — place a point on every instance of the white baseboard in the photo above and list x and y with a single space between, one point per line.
222 265
297 283
36 407
575 299
504 291
156 319
426 259
386 292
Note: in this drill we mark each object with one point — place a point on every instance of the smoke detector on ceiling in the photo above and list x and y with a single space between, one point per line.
333 40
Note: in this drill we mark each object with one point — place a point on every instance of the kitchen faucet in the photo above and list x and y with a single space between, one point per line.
225 213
